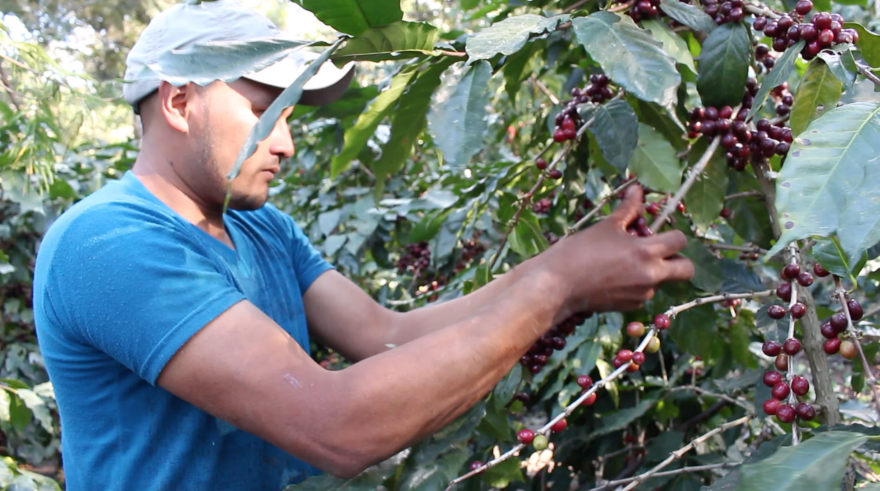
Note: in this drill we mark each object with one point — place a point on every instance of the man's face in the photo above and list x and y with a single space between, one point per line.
221 122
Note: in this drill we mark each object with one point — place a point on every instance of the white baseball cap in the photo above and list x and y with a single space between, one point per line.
196 22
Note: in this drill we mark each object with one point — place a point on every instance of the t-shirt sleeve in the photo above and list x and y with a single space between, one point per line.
308 262
133 284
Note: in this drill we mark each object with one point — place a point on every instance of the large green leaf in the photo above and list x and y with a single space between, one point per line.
396 41
654 161
708 271
616 130
527 239
409 120
509 35
688 15
516 69
672 43
663 121
706 197
356 137
724 65
818 92
818 463
630 56
694 330
869 43
779 74
458 115
204 63
831 180
354 16
831 256
842 65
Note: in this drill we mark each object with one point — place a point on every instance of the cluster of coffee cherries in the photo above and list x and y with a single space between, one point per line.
568 119
471 249
837 325
655 207
644 10
539 441
553 340
416 258
542 164
824 30
725 11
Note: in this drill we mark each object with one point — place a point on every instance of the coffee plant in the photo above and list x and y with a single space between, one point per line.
478 137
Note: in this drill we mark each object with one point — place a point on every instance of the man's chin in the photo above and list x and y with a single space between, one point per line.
247 203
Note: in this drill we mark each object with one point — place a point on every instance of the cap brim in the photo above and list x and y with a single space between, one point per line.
326 86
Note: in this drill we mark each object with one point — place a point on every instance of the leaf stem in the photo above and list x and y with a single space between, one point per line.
694 171
743 194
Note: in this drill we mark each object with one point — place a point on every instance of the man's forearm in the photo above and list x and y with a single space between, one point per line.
401 396
414 324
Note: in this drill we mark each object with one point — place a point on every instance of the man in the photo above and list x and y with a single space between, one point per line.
176 336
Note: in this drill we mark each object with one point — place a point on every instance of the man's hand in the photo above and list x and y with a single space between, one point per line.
604 268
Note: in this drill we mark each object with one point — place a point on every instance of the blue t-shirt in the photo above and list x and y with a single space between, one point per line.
121 283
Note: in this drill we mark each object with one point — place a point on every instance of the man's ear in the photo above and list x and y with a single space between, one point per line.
176 104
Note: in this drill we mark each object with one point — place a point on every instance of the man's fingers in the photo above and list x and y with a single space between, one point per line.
666 244
679 269
630 208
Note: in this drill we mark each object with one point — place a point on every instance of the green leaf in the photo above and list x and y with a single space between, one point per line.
354 16
516 69
428 227
616 130
869 43
738 278
458 120
506 388
621 419
654 161
818 92
356 137
527 238
663 121
777 76
38 407
692 329
818 463
630 56
750 218
672 42
831 162
831 256
688 15
435 475
409 120
19 414
706 198
837 66
204 63
501 475
269 119
396 41
509 36
708 271
724 65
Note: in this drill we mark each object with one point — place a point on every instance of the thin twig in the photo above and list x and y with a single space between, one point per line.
866 71
743 194
546 91
761 10
574 6
792 397
707 393
840 292
695 171
683 470
726 247
685 449
622 7
596 209
4 77
672 312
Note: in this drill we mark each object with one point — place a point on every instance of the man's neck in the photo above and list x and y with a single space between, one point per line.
157 175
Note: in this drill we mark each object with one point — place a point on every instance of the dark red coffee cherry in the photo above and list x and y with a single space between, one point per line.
638 358
855 309
771 348
541 164
780 391
558 343
711 114
771 406
555 174
776 311
822 20
838 322
525 436
800 385
805 412
828 331
785 413
790 271
772 378
661 321
819 271
798 310
781 362
791 346
784 292
803 7
826 37
584 381
832 346
760 23
804 279
625 355
726 213
559 425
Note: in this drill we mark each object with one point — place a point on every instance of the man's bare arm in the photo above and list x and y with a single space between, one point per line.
245 369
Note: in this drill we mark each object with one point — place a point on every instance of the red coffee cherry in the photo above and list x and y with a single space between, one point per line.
790 271
805 412
638 358
771 406
776 312
559 425
800 385
828 331
781 362
819 271
625 355
798 310
838 322
525 436
590 400
832 346
785 413
784 292
792 346
772 378
584 381
855 309
771 348
780 391
635 329
661 321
